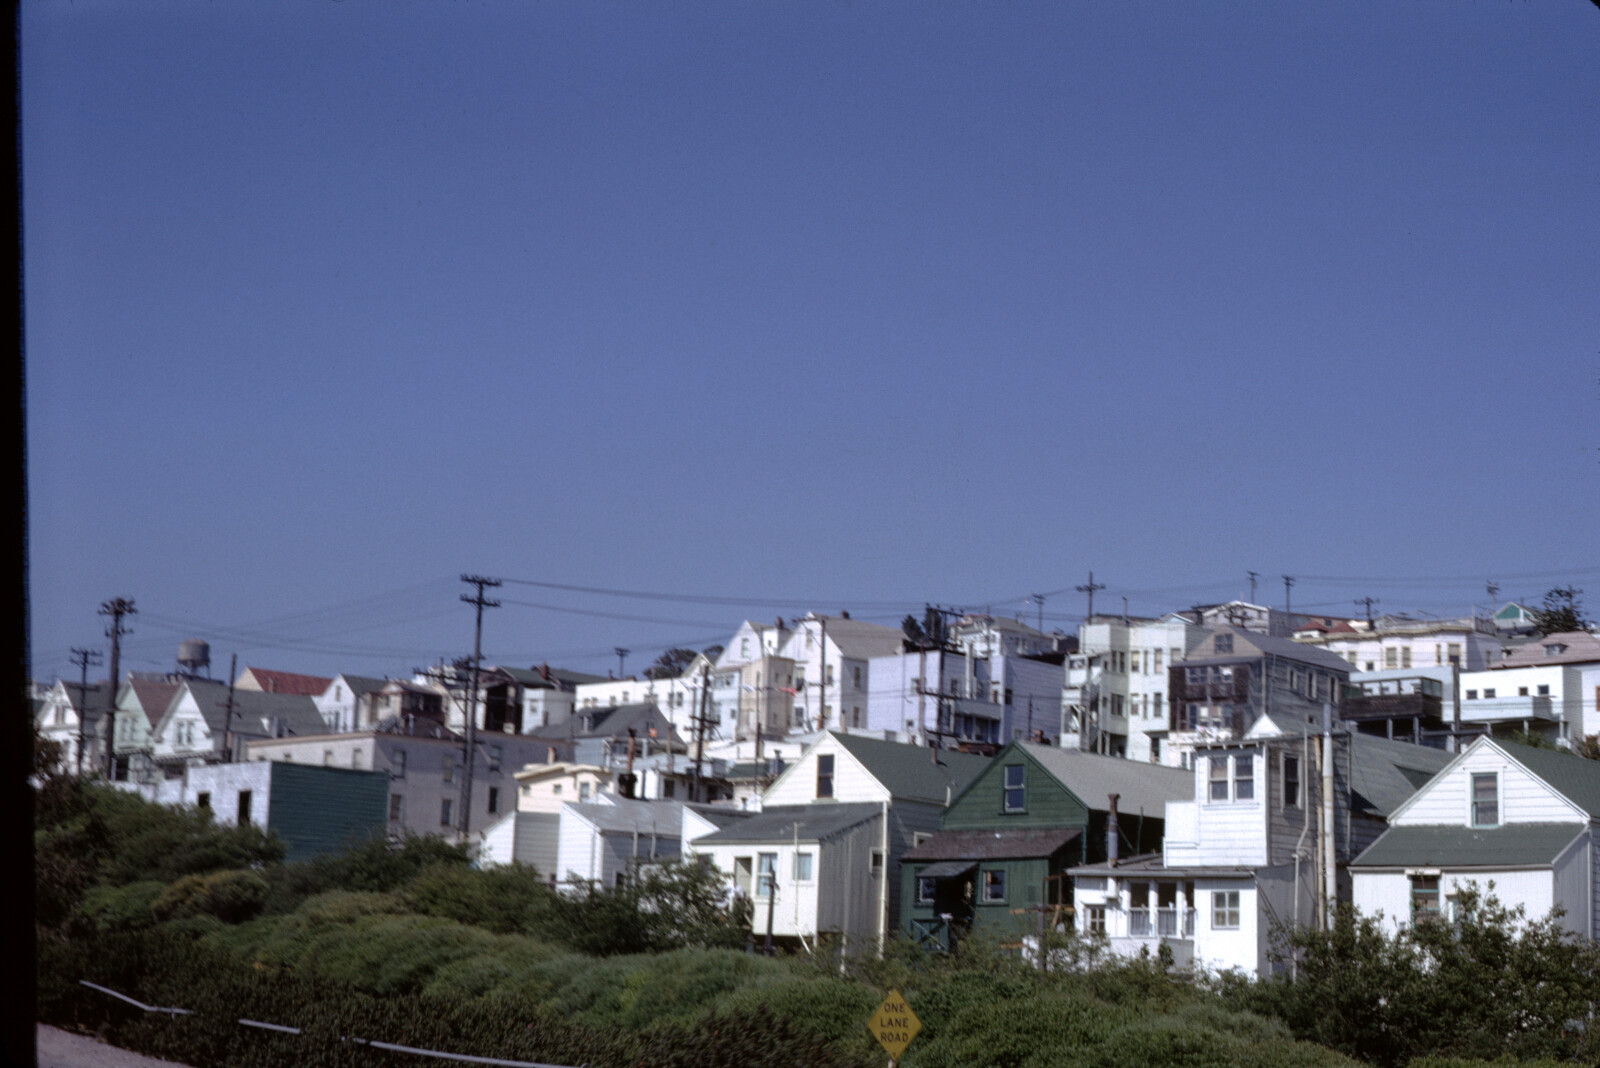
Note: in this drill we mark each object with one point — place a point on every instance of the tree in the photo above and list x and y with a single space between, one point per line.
1561 613
930 633
1482 983
670 664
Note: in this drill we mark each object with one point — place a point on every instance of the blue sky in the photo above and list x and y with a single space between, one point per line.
770 307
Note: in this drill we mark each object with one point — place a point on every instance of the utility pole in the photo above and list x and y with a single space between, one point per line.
480 602
1369 602
116 608
1288 581
227 715
83 658
1038 600
1089 589
1494 597
700 728
622 656
1253 577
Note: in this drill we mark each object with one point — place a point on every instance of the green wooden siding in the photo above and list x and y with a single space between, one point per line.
319 809
982 805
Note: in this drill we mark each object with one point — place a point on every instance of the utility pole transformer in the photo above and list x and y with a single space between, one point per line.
116 608
1089 588
480 602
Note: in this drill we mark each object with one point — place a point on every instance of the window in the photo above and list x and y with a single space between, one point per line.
877 864
355 758
327 757
495 755
1219 778
1486 800
1488 693
1225 910
994 886
203 800
1522 691
398 760
1016 793
925 890
1391 657
397 808
824 775
1454 652
1244 782
1544 691
855 677
1424 897
244 807
494 799
449 769
1472 695
766 873
1156 656
1291 781
1405 656
444 812
583 792
802 867
1223 644
1095 920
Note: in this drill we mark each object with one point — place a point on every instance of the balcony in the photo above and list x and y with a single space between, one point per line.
1363 707
1160 923
1507 709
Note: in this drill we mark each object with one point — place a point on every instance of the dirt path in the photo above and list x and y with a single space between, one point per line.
63 1049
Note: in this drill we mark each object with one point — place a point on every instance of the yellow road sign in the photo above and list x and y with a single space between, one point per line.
894 1024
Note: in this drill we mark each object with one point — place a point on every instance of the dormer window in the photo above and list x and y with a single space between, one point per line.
1554 649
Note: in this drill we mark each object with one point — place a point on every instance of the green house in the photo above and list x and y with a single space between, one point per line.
996 866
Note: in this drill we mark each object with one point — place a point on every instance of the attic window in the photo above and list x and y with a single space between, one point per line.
1224 643
1554 649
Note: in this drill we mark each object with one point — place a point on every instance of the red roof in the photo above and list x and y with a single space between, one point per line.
290 683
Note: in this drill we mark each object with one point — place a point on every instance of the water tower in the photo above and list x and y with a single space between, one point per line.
194 654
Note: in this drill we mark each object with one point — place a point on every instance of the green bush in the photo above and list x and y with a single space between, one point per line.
230 896
121 908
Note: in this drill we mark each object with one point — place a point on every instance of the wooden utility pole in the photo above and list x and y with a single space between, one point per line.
1089 589
116 608
480 602
83 658
700 729
1369 602
1288 582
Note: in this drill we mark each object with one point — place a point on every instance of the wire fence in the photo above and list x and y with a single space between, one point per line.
371 1043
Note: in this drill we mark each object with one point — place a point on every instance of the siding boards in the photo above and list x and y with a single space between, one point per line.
320 810
1049 803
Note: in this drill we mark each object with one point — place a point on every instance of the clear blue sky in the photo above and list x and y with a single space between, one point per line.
775 306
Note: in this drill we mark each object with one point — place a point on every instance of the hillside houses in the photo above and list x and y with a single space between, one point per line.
1156 781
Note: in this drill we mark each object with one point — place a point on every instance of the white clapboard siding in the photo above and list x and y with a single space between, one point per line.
798 784
1447 800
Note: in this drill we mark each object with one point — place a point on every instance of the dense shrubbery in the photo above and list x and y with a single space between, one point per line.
409 944
1486 984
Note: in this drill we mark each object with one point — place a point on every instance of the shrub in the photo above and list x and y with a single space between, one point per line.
230 896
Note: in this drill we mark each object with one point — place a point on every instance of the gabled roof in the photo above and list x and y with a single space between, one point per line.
613 722
361 685
153 697
1570 775
284 682
1247 644
546 677
863 641
1093 778
786 823
254 710
622 815
1384 773
1573 647
913 772
1512 844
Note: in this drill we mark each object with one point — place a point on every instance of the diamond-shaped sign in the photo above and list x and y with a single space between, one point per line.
894 1024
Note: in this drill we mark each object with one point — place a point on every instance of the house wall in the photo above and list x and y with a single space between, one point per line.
321 810
794 909
1389 892
1523 798
1571 876
798 783
1225 832
1048 803
851 907
584 852
1218 949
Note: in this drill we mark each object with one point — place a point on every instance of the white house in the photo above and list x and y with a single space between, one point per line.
855 804
832 656
1251 851
1549 686
1525 819
1115 687
71 719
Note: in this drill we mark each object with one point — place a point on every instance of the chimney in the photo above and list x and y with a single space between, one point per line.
843 614
1112 832
544 671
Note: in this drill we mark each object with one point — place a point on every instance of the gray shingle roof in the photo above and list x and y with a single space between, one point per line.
1246 640
1093 778
783 823
1575 778
993 845
914 772
1385 773
1513 844
863 641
